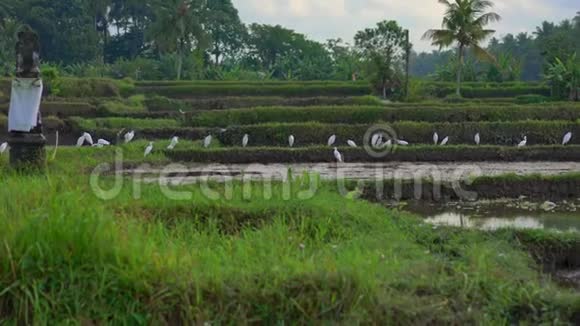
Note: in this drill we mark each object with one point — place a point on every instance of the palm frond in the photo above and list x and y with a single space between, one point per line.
482 54
440 37
487 18
481 5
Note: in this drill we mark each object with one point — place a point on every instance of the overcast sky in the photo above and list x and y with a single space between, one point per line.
324 19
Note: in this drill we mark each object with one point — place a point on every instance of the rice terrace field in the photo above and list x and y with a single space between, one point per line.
187 185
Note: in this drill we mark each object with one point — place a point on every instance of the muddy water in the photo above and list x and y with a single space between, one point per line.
562 216
188 174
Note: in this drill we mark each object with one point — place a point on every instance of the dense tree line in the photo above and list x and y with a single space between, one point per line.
161 39
201 39
524 56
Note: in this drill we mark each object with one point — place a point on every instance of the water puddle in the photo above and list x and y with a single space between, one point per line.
489 216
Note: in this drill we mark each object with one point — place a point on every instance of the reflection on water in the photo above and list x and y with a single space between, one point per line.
487 224
492 217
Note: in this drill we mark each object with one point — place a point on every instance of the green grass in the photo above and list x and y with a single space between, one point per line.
247 82
286 90
134 104
163 104
420 153
123 123
50 124
69 257
492 133
392 113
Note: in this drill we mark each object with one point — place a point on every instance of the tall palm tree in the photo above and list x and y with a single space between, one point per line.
177 26
464 24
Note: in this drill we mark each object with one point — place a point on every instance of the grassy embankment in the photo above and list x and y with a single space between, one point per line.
69 257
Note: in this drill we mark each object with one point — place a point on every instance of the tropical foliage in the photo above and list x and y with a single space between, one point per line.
464 25
383 50
564 77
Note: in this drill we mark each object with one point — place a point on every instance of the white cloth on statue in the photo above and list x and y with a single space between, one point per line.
24 104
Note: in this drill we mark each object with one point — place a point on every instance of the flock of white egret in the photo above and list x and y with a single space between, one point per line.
87 139
377 141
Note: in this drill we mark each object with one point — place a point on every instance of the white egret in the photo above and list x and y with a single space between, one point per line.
207 141
380 143
291 140
3 148
81 141
445 141
129 136
351 144
524 142
436 138
88 138
477 139
338 156
103 142
376 140
331 140
245 140
567 139
402 143
174 142
148 149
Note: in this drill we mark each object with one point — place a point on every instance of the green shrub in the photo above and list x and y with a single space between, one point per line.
5 86
364 100
246 82
373 114
484 90
454 98
155 133
530 99
65 109
62 109
52 123
4 98
400 154
51 80
122 123
287 90
160 103
49 124
126 87
89 87
494 133
134 104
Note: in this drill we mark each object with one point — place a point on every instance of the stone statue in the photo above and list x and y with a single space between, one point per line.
28 61
27 148
27 54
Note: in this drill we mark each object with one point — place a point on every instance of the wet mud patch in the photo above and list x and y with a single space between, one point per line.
557 253
533 187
